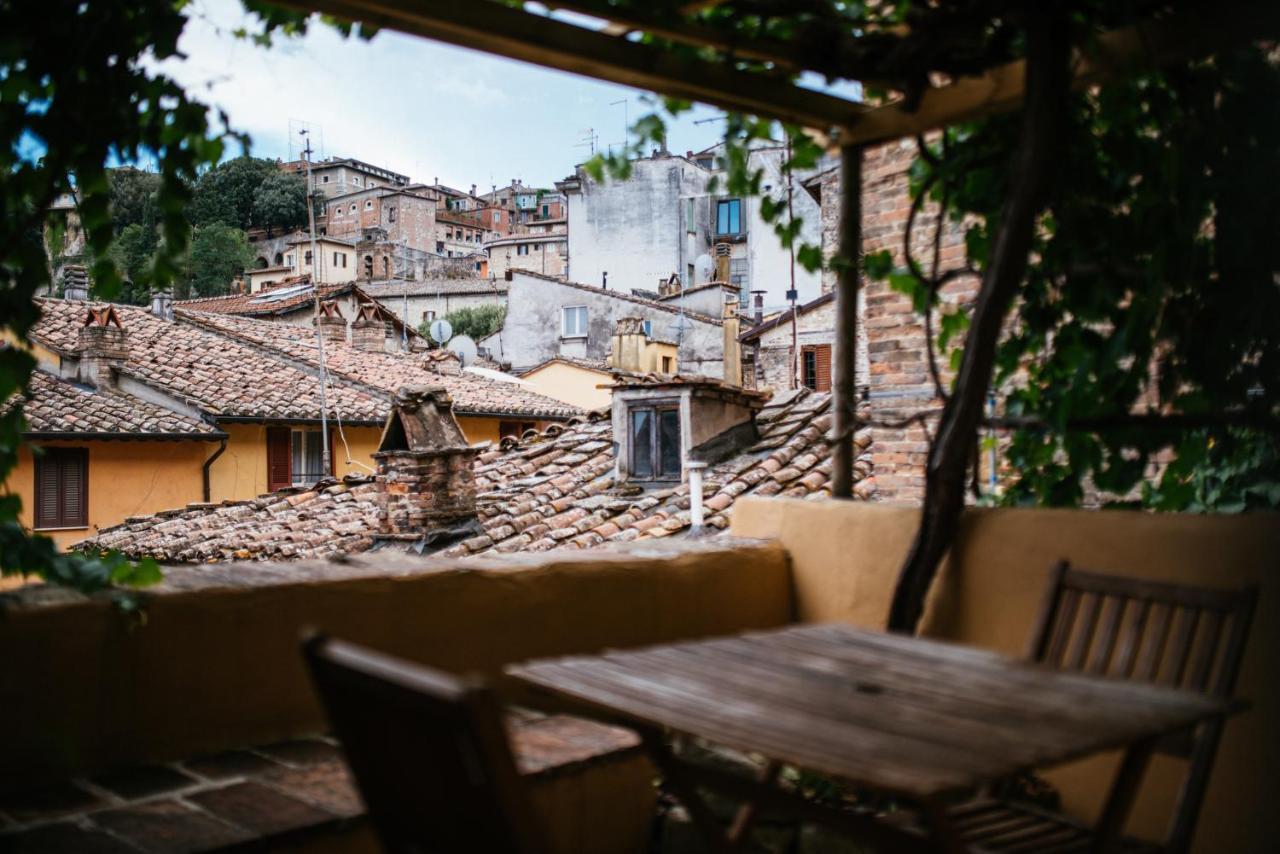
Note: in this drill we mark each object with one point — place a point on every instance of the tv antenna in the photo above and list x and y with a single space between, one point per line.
326 460
301 134
626 122
589 140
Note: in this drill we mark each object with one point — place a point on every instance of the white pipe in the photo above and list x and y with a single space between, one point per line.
695 492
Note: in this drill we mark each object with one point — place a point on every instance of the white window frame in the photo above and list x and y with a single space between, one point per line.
306 436
580 324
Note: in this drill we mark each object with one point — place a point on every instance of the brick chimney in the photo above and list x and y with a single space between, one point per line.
369 331
426 467
732 347
333 326
75 283
101 346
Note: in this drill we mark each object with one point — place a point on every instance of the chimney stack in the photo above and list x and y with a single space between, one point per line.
759 306
369 331
723 251
75 283
331 323
426 467
732 347
473 189
162 304
101 346
627 347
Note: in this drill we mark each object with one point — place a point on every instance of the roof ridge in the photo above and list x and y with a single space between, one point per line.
693 315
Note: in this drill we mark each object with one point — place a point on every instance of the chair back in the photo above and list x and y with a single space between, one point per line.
1178 635
428 751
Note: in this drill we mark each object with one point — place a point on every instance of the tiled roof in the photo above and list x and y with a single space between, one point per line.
705 286
390 290
785 316
210 371
264 303
57 407
546 491
387 372
589 364
626 297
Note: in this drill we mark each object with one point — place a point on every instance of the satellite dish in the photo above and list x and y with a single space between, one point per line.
441 331
463 347
704 269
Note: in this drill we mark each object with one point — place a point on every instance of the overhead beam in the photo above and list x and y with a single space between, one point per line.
1113 55
507 31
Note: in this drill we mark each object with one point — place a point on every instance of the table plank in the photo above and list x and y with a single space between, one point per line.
899 714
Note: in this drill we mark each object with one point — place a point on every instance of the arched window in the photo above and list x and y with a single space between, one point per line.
261 263
368 266
386 267
279 259
353 210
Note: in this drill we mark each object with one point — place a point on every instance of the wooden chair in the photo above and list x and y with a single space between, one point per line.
428 751
1177 635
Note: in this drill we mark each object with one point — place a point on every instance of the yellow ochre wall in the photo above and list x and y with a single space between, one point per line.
241 472
572 384
126 478
845 561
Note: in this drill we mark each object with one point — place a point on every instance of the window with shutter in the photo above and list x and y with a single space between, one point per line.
62 488
279 458
815 360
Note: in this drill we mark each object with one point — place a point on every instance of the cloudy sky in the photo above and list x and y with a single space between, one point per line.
418 107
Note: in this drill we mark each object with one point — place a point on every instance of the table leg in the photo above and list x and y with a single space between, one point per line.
1124 790
943 833
746 815
685 789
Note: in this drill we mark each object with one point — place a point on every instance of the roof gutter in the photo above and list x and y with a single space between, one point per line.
48 435
204 471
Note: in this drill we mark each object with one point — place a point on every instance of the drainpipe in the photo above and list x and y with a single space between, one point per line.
695 493
209 463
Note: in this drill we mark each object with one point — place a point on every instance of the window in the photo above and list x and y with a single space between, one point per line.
324 180
738 273
522 249
368 204
574 323
439 247
546 211
353 210
337 212
690 224
692 274
391 214
339 259
62 488
648 328
514 428
537 247
497 217
307 460
815 366
655 442
666 364
307 257
428 316
477 266
288 259
729 216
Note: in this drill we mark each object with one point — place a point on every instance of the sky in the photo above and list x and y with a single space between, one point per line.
421 108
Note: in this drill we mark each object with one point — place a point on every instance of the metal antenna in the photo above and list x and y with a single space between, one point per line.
626 122
326 461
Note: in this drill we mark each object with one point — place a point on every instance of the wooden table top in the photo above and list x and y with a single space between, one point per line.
905 715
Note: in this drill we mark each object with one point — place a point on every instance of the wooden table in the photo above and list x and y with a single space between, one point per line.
918 719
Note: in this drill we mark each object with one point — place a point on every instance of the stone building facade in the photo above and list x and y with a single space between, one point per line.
406 219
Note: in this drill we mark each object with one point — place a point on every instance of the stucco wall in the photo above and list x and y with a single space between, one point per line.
125 479
531 332
637 230
241 472
846 557
215 665
572 384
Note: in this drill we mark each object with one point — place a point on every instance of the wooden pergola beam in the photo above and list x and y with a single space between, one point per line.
506 31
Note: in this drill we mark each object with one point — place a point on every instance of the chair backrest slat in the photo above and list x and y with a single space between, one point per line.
1179 635
428 751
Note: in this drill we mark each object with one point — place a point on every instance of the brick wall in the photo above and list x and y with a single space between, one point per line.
896 367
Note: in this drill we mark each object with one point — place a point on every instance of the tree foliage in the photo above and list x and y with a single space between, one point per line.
219 253
133 197
478 322
280 202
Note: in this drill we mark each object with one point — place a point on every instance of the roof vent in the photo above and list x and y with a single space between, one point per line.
75 283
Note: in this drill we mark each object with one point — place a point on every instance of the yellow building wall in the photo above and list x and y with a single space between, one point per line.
572 384
845 558
241 472
125 479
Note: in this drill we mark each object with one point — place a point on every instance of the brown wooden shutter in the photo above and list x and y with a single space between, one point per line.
822 361
62 488
279 458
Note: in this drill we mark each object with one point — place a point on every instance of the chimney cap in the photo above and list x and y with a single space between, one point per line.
330 308
421 421
102 315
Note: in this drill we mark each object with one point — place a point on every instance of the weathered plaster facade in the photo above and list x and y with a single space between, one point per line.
534 330
538 253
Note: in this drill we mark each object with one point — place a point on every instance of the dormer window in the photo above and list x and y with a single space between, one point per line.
655 442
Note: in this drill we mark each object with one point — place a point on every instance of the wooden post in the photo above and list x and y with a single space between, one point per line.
845 351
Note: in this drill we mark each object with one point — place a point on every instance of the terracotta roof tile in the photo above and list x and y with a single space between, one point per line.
386 373
521 504
57 407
